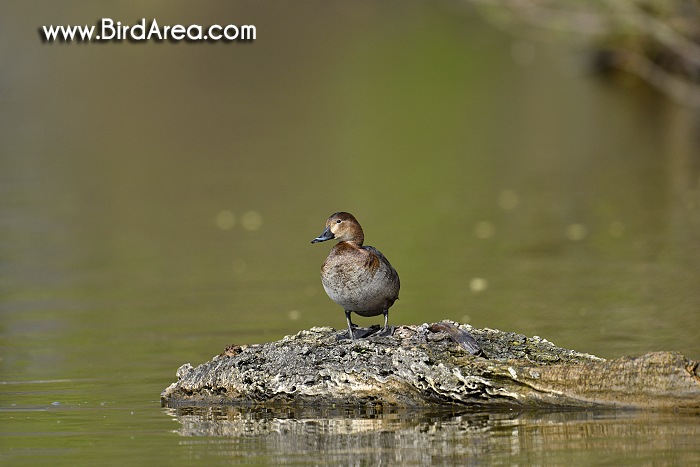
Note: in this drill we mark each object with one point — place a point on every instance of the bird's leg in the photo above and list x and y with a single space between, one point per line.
351 335
385 331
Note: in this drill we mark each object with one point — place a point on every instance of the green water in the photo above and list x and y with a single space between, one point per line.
157 203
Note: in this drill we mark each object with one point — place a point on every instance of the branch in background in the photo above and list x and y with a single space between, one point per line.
655 40
679 89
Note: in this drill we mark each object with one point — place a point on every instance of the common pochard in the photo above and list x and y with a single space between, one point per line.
358 278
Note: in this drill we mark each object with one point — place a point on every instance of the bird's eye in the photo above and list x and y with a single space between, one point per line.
338 221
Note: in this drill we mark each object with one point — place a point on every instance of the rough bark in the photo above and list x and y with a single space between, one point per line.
418 367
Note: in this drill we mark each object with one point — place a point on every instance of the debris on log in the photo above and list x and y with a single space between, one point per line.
444 363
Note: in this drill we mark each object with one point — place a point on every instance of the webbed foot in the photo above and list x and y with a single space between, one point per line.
386 331
359 333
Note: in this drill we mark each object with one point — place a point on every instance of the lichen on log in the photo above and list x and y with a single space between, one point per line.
417 367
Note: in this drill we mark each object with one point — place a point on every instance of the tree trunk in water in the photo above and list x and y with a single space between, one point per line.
434 365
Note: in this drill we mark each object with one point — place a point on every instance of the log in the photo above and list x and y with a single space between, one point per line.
433 365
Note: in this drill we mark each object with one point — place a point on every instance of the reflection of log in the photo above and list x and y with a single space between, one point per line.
416 367
377 436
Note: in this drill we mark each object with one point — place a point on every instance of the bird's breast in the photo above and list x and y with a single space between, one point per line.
359 282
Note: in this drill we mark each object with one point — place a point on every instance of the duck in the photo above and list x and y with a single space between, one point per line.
357 277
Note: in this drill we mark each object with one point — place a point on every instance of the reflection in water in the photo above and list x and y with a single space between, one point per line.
375 436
